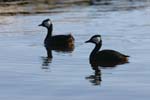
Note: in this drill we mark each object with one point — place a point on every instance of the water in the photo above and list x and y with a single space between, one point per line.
123 28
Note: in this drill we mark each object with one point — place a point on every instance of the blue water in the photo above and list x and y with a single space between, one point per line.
124 27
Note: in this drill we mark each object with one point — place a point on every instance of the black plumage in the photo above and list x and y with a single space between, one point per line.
105 58
57 42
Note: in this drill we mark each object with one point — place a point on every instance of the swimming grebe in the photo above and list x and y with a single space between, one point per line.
104 58
57 42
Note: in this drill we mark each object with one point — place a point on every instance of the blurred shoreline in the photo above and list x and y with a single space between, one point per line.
25 7
13 7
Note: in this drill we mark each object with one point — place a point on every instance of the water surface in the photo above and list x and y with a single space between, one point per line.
125 28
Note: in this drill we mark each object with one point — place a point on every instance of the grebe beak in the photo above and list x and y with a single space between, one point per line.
40 25
87 41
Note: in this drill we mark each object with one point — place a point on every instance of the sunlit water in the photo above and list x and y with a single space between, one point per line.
25 76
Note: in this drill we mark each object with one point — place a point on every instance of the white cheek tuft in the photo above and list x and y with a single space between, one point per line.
48 23
96 39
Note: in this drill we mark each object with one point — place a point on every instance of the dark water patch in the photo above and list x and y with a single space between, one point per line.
35 7
13 2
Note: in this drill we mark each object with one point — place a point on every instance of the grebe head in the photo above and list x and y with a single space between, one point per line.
96 39
46 23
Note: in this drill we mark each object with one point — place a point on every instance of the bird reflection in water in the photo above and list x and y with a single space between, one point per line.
47 60
96 79
59 49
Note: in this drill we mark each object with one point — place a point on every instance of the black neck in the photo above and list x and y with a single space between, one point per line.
49 32
95 50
